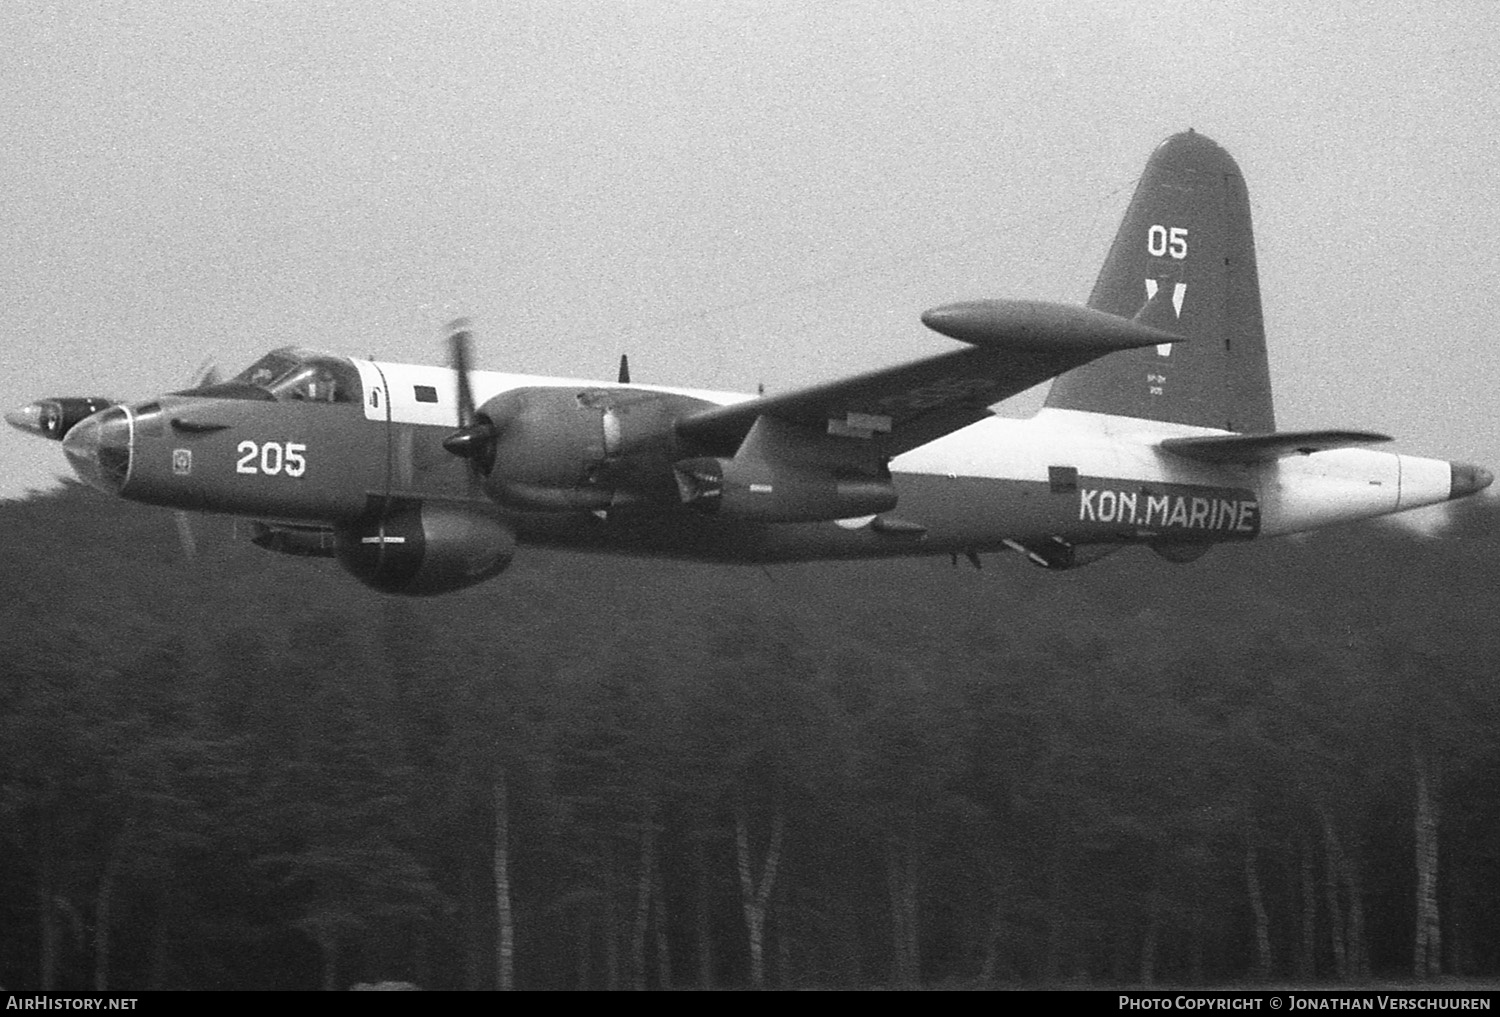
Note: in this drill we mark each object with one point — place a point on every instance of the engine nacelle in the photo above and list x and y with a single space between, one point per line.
564 450
758 490
419 548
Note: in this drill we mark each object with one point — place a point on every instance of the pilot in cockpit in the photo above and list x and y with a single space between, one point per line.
291 373
317 386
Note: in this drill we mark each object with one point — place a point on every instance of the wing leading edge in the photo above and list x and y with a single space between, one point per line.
1013 345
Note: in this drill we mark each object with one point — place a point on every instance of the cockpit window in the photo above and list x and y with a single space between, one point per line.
311 383
292 373
265 371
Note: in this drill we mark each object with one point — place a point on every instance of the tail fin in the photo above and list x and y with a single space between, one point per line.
1184 260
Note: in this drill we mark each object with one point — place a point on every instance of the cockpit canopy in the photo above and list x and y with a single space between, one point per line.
297 373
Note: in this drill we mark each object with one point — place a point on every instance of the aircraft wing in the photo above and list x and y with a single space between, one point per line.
1259 448
1013 345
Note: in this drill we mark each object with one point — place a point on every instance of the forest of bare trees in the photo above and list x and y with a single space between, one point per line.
245 770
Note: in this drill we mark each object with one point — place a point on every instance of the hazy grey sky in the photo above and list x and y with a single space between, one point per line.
733 192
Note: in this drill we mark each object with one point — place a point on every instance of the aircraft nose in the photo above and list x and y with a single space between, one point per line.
1467 479
99 449
31 418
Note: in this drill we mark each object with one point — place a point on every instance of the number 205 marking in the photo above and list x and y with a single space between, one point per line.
271 458
1161 241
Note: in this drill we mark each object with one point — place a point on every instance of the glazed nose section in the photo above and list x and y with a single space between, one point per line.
31 418
1467 479
99 449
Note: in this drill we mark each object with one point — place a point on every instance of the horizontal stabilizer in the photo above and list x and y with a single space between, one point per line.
1261 448
1031 324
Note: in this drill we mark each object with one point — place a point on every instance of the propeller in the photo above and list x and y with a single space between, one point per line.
207 374
185 535
475 438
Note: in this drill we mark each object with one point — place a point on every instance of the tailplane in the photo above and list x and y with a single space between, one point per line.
1183 261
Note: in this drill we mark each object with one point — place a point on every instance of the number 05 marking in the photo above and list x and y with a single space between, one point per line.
271 458
1161 241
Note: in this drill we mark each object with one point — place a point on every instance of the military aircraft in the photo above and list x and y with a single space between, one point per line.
1158 431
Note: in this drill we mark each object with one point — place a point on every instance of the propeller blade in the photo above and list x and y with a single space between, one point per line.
459 336
206 374
185 535
475 438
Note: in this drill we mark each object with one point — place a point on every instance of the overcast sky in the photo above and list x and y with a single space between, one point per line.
734 193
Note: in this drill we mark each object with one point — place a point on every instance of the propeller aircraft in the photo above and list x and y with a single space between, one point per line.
1159 431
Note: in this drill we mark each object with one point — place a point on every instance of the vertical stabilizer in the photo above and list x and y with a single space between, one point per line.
1184 261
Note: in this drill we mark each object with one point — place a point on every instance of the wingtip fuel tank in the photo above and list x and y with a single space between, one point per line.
1037 323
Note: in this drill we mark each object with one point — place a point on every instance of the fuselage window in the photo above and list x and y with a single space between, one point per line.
1063 479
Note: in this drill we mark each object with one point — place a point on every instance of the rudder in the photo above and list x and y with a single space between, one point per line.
1186 238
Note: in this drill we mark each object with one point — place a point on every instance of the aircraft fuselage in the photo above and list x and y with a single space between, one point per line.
1043 486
